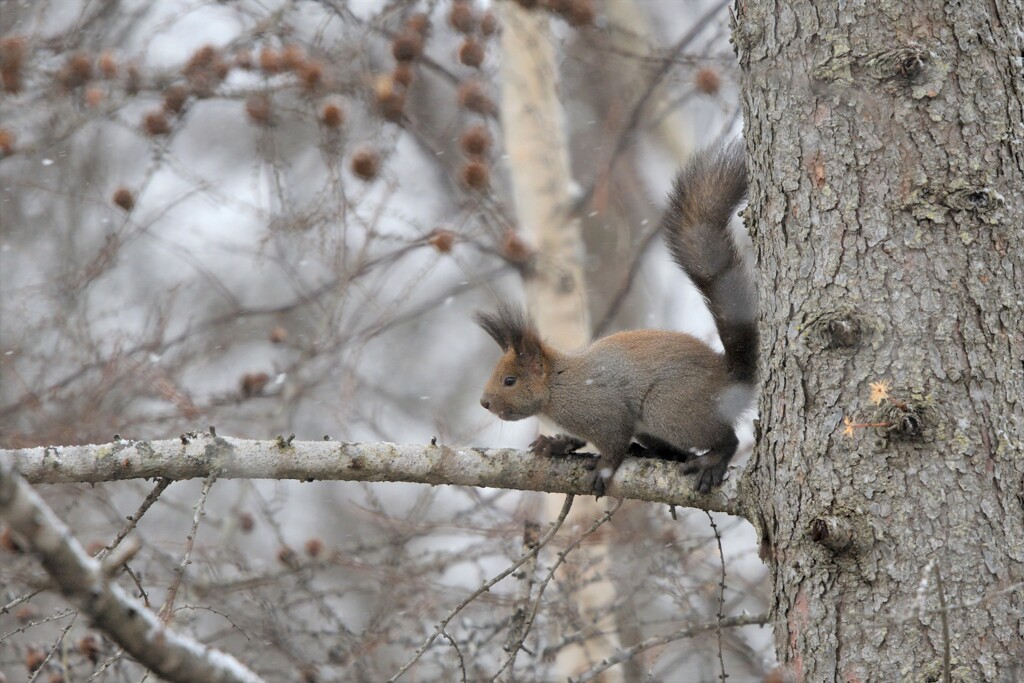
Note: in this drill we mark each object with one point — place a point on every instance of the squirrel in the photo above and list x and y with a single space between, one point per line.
669 391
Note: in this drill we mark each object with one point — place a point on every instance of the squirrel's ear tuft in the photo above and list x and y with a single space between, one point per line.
492 326
510 326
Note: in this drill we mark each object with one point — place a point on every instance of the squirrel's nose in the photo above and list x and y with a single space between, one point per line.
485 403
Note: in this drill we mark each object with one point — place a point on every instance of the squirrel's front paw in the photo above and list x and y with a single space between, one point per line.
560 444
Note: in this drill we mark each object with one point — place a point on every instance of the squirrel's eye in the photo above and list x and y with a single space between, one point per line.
509 381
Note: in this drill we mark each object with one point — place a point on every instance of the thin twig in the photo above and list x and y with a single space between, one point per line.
56 644
36 622
547 579
113 659
161 484
18 600
168 607
721 597
514 639
138 584
555 526
462 662
688 632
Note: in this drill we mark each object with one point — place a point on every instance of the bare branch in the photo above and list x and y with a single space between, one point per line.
56 644
630 652
555 526
551 575
721 598
84 584
647 479
168 607
133 520
516 635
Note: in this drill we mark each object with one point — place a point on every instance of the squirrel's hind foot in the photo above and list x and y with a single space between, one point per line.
559 444
710 470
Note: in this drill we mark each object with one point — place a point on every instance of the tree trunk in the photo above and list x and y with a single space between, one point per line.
886 174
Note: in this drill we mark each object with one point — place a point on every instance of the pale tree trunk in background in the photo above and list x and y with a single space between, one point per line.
621 212
886 203
619 218
538 149
672 132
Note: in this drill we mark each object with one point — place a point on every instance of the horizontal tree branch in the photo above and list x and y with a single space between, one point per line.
84 582
200 455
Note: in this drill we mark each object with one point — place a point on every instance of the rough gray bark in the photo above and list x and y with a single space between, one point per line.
887 167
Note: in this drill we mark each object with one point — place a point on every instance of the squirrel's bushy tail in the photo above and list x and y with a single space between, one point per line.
706 194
